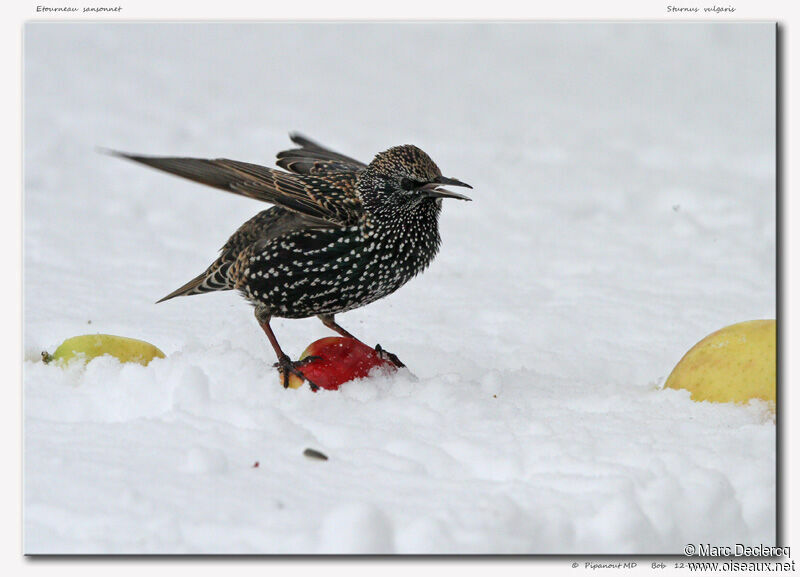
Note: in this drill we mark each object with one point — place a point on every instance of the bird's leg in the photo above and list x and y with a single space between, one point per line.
285 365
328 321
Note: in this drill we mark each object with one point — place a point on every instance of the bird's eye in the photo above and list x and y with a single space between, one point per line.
408 184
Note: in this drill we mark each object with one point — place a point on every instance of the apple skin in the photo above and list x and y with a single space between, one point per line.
734 364
87 347
340 360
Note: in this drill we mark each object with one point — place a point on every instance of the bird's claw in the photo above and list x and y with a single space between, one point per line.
286 366
387 356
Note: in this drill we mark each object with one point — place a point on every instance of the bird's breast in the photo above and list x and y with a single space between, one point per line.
333 270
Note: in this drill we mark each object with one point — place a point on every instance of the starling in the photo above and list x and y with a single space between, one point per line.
341 233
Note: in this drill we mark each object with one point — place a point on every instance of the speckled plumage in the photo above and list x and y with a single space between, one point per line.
341 235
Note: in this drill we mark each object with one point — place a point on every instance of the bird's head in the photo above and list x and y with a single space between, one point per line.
402 178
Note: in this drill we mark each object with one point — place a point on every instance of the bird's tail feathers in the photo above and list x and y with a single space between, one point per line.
215 278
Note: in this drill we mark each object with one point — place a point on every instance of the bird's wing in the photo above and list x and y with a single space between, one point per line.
263 227
316 160
329 198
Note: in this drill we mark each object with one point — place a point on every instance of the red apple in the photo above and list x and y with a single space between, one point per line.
340 360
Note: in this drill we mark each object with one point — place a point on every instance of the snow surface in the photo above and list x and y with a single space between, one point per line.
624 207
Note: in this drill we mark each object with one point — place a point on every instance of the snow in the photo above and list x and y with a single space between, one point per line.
624 207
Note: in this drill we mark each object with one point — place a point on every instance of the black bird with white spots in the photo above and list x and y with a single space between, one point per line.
342 234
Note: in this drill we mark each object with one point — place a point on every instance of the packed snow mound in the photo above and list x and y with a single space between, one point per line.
507 462
624 207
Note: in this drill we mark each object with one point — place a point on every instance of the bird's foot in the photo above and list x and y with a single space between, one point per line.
287 367
387 356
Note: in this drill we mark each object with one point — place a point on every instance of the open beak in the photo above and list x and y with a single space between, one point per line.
433 191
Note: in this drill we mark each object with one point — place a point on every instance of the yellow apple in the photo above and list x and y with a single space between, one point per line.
87 347
733 364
